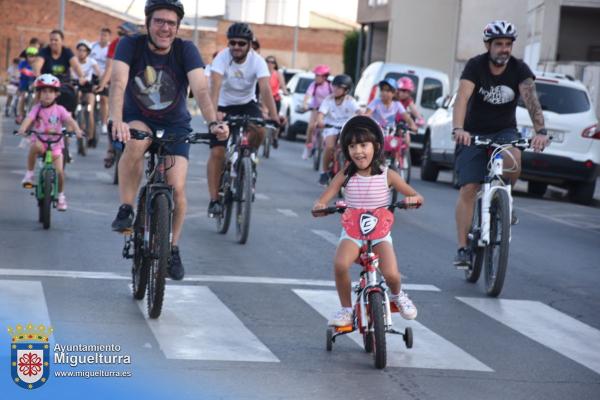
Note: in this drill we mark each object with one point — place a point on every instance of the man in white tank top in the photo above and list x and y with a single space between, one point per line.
99 53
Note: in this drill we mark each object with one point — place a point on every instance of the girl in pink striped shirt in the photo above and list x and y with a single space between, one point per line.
367 182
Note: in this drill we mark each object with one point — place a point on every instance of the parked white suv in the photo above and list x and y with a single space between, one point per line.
573 158
430 84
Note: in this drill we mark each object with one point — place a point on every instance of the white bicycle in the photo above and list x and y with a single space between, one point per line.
489 236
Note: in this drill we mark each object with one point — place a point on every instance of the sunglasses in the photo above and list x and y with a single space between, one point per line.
238 43
271 62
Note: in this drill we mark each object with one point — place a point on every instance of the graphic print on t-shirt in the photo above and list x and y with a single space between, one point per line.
155 90
497 94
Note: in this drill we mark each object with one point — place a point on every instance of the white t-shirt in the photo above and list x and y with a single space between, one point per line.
335 114
87 68
239 80
99 53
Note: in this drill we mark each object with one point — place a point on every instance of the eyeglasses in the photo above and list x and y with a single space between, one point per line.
271 62
162 22
238 43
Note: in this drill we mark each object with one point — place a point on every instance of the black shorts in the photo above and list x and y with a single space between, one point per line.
67 97
251 109
104 92
85 89
471 162
178 149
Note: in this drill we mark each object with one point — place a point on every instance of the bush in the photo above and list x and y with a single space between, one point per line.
350 49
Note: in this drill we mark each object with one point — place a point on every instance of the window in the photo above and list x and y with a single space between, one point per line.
377 3
561 99
432 90
303 84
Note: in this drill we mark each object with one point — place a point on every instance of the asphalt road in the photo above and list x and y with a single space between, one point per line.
249 322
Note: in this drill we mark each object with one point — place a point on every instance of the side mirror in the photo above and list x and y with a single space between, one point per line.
439 102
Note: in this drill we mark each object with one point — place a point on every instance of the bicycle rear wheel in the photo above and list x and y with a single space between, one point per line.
140 267
160 251
318 153
46 203
226 202
495 254
377 319
473 272
267 143
244 200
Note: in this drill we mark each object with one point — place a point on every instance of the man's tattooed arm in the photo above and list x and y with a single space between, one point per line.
529 95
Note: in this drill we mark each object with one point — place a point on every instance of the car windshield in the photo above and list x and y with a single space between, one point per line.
303 84
561 99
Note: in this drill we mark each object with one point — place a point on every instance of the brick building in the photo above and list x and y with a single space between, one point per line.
35 18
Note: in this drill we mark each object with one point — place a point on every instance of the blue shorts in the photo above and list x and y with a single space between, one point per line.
359 243
178 149
471 162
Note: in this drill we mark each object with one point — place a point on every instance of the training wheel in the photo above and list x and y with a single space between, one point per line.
408 338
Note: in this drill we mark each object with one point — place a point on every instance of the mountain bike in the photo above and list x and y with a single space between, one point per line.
372 314
152 228
489 236
238 179
46 187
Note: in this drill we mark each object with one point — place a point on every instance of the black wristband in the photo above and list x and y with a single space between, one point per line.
543 132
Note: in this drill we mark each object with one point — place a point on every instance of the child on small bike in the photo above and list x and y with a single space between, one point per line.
316 92
26 78
406 87
386 110
48 118
335 111
367 184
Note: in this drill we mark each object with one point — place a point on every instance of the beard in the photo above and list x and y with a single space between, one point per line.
500 59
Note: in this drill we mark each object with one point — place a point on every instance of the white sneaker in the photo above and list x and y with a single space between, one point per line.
62 202
405 305
342 317
305 153
27 181
104 129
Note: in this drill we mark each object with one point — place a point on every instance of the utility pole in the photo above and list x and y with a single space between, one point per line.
296 34
61 15
195 37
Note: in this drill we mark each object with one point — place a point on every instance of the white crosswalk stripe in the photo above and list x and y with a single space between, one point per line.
429 350
546 325
23 302
213 332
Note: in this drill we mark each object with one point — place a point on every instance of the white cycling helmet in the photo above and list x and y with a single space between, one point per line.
85 43
499 29
46 80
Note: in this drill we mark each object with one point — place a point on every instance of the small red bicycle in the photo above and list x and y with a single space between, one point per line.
372 315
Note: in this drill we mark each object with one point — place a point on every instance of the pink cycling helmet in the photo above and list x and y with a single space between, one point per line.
321 69
46 80
405 83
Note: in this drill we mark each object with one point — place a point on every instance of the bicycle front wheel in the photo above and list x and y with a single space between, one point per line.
267 143
404 164
117 156
244 200
46 203
317 154
140 267
160 251
377 320
393 167
495 254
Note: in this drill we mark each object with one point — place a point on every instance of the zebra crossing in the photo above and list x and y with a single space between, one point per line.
186 331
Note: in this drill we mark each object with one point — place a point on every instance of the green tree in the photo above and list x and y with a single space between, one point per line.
350 49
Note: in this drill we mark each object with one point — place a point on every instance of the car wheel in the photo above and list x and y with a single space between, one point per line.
536 188
290 133
429 170
582 192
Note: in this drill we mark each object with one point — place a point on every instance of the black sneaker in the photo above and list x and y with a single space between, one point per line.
275 142
463 258
175 269
124 220
513 218
324 179
214 208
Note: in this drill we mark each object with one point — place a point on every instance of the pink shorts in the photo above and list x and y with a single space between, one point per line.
56 147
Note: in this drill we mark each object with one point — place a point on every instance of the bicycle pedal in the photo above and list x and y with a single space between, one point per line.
393 331
127 232
344 329
393 307
27 186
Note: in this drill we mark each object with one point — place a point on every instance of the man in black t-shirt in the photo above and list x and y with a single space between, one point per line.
485 105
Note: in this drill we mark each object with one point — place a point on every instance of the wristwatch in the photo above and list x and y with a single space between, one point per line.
542 131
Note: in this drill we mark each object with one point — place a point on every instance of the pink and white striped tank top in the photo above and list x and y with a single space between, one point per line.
367 191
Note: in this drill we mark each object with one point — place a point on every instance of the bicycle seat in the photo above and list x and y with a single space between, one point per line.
363 224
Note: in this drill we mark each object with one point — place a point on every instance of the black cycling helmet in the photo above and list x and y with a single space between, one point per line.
174 5
361 122
240 30
344 81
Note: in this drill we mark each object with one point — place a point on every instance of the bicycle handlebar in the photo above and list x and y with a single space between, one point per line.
64 133
521 143
237 120
195 137
341 207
